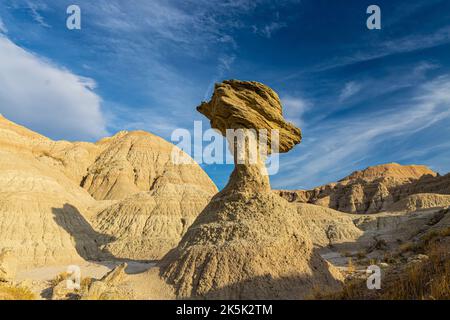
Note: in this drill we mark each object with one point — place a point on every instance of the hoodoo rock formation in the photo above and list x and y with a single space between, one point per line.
248 243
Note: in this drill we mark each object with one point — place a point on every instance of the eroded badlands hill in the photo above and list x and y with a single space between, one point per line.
47 217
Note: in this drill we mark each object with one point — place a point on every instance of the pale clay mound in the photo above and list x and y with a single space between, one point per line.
147 225
41 214
328 227
420 201
45 214
158 199
374 189
133 162
248 243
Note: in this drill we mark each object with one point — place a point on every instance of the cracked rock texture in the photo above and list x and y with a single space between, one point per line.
249 105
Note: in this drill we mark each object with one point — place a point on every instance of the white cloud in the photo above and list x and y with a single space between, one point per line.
294 108
269 29
351 88
3 28
47 98
335 147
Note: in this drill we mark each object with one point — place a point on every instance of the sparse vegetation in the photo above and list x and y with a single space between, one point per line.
425 278
85 283
429 279
12 292
361 254
389 258
350 266
405 247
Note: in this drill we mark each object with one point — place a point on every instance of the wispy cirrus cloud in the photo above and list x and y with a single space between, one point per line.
350 89
152 44
352 139
387 48
269 29
35 8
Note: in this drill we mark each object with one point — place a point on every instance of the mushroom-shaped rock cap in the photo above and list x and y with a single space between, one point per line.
249 105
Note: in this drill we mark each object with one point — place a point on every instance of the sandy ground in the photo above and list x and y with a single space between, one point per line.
38 279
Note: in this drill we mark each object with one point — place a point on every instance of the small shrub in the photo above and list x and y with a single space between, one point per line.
350 266
389 258
361 254
85 283
445 232
406 247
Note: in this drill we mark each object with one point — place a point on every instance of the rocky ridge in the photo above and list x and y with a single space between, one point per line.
374 189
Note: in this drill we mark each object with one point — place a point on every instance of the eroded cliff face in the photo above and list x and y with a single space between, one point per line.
374 189
248 243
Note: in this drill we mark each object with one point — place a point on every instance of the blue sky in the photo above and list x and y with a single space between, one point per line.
362 97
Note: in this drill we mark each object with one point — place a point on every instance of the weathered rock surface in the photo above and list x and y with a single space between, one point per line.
158 199
109 286
147 225
420 201
45 215
328 227
248 243
133 162
8 265
374 189
42 214
249 105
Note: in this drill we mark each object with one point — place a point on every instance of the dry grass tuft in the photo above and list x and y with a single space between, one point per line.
426 279
12 292
429 279
350 266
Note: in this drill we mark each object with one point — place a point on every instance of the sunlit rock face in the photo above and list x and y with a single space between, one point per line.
248 243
